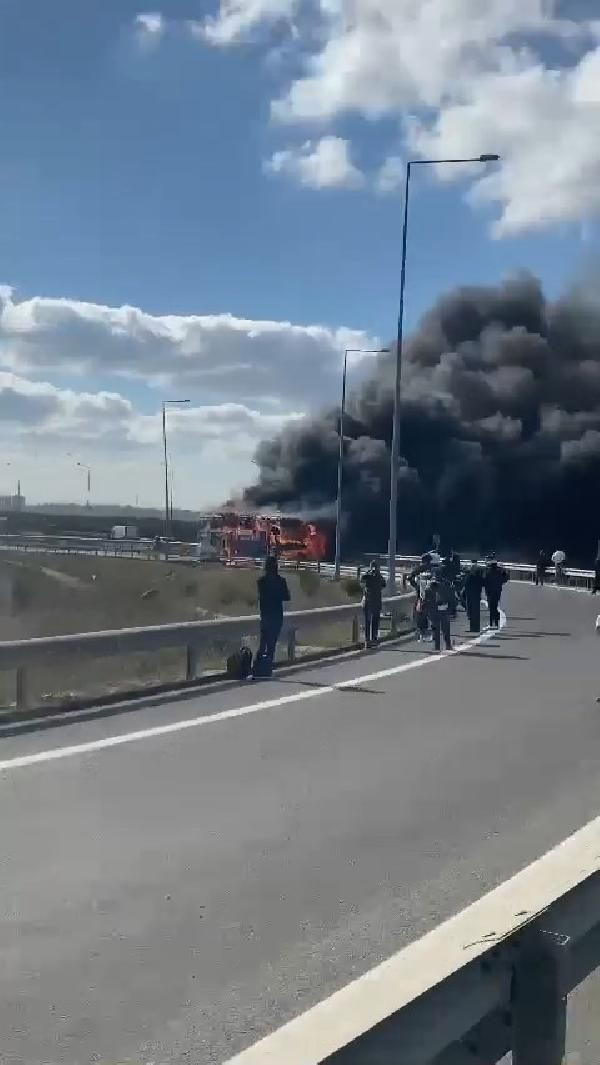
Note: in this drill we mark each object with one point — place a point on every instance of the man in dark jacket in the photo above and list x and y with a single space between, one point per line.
438 602
596 584
472 589
373 584
273 592
541 568
495 579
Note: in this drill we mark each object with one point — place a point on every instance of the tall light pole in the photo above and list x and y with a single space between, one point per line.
395 452
83 466
168 403
340 467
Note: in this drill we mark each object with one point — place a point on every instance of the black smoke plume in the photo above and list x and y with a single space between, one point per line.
500 432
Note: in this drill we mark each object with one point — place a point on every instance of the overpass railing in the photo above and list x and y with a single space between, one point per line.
493 979
193 637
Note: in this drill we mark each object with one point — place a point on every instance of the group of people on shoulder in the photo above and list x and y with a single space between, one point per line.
441 587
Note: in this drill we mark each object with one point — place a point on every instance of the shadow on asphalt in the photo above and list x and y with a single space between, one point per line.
344 687
532 635
495 658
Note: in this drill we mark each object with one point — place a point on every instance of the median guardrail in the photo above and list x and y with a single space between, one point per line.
521 571
191 636
493 979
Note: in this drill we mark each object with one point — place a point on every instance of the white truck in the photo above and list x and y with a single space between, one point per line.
124 532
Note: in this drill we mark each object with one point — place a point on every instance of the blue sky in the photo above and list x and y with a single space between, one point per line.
145 164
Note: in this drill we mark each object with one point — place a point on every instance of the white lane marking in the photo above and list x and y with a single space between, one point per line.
361 1005
58 753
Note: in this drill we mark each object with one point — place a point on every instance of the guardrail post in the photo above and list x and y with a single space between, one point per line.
21 688
539 1006
355 629
191 665
291 645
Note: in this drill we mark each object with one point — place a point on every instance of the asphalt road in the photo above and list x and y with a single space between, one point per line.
176 896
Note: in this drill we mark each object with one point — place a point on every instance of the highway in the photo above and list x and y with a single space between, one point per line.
181 878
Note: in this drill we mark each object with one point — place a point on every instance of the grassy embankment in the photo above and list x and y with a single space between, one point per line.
45 595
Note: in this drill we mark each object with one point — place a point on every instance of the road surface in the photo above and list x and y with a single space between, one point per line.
171 896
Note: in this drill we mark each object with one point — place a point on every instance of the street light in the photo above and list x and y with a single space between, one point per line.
168 403
338 510
83 466
395 453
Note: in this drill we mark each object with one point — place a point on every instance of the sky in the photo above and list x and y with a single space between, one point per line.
202 200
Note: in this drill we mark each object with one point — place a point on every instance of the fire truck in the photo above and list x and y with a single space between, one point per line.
230 537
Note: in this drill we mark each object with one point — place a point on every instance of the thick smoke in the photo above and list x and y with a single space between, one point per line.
500 431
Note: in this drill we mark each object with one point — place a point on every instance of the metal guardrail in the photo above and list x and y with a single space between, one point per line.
522 571
191 636
493 979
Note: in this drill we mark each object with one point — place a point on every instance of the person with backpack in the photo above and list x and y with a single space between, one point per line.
438 602
273 592
495 579
373 584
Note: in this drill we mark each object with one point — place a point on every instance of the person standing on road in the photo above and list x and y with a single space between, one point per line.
373 584
451 573
438 602
495 579
273 592
472 589
420 579
541 568
559 558
596 584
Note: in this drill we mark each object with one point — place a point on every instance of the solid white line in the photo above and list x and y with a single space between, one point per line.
355 1009
59 753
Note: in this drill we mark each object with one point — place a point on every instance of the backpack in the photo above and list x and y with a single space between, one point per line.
262 668
239 664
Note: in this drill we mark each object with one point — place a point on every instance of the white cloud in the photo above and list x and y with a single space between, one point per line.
44 429
237 18
278 364
150 25
546 126
390 175
324 164
245 379
460 76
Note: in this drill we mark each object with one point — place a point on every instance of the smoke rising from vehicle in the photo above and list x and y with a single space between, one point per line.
500 431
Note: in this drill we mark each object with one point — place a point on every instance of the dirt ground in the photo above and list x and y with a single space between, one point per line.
47 595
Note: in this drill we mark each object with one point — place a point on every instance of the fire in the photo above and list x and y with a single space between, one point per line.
255 535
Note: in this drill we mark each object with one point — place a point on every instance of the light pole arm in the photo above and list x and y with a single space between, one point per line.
395 454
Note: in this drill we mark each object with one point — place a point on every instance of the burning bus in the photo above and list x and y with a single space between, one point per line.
230 536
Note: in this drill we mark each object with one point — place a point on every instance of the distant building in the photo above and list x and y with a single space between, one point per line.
15 504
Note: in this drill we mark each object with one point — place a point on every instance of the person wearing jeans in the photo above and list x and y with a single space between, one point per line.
273 592
373 584
439 599
495 579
